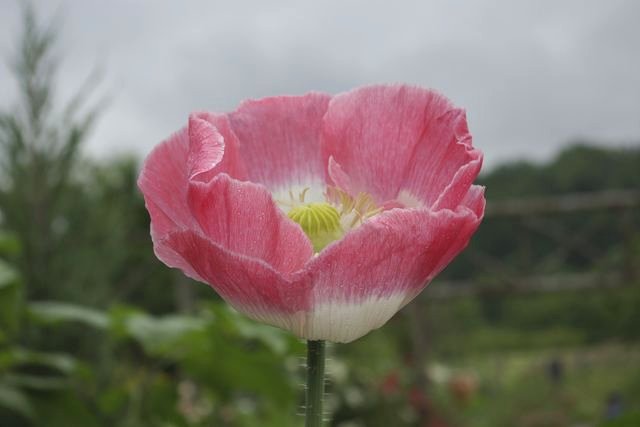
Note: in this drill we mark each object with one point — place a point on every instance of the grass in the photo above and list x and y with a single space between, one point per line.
515 389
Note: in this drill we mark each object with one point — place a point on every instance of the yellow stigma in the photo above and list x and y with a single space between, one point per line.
320 221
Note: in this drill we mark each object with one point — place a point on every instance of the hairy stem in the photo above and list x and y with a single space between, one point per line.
315 383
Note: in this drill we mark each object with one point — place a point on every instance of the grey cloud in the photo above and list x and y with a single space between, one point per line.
532 75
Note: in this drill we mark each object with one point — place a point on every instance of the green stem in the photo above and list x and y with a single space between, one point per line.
315 383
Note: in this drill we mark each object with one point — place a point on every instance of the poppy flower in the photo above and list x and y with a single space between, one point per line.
323 215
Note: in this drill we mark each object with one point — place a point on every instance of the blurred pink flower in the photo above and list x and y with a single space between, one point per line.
317 214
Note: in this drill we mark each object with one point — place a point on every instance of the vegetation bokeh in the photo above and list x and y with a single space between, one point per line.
536 324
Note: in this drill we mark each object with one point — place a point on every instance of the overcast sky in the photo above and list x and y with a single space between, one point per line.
533 75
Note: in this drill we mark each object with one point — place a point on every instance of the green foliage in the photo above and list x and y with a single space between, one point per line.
39 147
213 367
52 312
542 244
9 300
192 369
24 371
522 380
579 168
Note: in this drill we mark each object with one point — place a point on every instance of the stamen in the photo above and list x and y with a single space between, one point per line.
353 209
304 192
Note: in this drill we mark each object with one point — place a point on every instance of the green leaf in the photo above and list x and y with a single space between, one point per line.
22 357
9 243
36 382
278 341
10 307
55 312
274 338
15 400
8 275
161 334
65 409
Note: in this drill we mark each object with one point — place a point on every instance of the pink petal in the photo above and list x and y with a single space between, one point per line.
211 134
392 138
163 182
206 147
442 170
161 226
455 192
338 176
361 281
279 139
242 218
248 284
199 152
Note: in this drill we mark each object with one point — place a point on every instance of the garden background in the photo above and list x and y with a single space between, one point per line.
537 323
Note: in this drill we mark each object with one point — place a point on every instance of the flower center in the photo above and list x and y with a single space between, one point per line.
327 216
320 222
